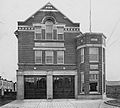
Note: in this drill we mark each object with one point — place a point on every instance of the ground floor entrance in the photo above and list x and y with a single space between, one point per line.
35 87
47 85
63 87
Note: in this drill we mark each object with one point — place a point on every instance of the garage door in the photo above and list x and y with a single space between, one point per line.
35 87
63 87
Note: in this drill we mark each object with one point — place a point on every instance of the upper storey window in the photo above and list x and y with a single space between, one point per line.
38 56
49 57
49 30
38 34
60 57
93 54
60 33
82 55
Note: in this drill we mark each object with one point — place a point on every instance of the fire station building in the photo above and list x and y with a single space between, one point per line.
56 60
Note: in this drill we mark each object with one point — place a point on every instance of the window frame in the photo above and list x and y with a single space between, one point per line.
49 56
37 32
47 24
60 55
58 33
82 55
94 66
94 54
82 82
39 56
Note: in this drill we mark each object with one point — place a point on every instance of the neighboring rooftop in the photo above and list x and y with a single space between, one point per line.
112 83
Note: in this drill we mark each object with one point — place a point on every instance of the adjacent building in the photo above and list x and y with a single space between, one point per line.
57 60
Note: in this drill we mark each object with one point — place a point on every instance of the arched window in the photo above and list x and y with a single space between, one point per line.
49 30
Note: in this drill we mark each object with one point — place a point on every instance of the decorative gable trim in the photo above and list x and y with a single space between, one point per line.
43 10
71 29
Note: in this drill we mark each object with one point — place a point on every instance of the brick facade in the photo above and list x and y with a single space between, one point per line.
73 41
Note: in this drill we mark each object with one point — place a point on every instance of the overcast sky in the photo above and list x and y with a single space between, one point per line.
105 19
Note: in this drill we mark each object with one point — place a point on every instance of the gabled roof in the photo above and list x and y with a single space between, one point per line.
48 6
50 10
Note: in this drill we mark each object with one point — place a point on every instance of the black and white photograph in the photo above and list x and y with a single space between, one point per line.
59 53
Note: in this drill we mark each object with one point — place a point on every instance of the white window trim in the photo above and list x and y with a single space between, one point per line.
95 92
91 61
82 55
82 92
52 58
63 57
92 66
39 33
35 58
52 32
60 33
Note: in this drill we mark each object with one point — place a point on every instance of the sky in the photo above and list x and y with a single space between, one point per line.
105 19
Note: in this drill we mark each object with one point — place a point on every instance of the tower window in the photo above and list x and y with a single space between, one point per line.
93 54
82 82
82 55
93 81
93 87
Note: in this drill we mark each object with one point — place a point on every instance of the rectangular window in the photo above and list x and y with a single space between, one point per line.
94 39
38 56
38 34
82 55
82 81
93 78
49 32
93 54
93 66
0 83
60 57
60 32
49 57
93 75
103 41
93 87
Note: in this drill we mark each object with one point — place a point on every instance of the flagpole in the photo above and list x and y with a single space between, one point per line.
90 17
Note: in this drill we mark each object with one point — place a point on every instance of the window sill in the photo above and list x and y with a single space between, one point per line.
82 93
93 61
94 93
44 40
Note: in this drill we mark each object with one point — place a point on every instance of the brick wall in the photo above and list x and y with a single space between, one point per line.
113 91
26 41
93 38
25 47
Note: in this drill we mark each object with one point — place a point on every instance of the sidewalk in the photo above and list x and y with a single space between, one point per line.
57 103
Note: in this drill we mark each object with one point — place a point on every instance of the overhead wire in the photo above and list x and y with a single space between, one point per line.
114 29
